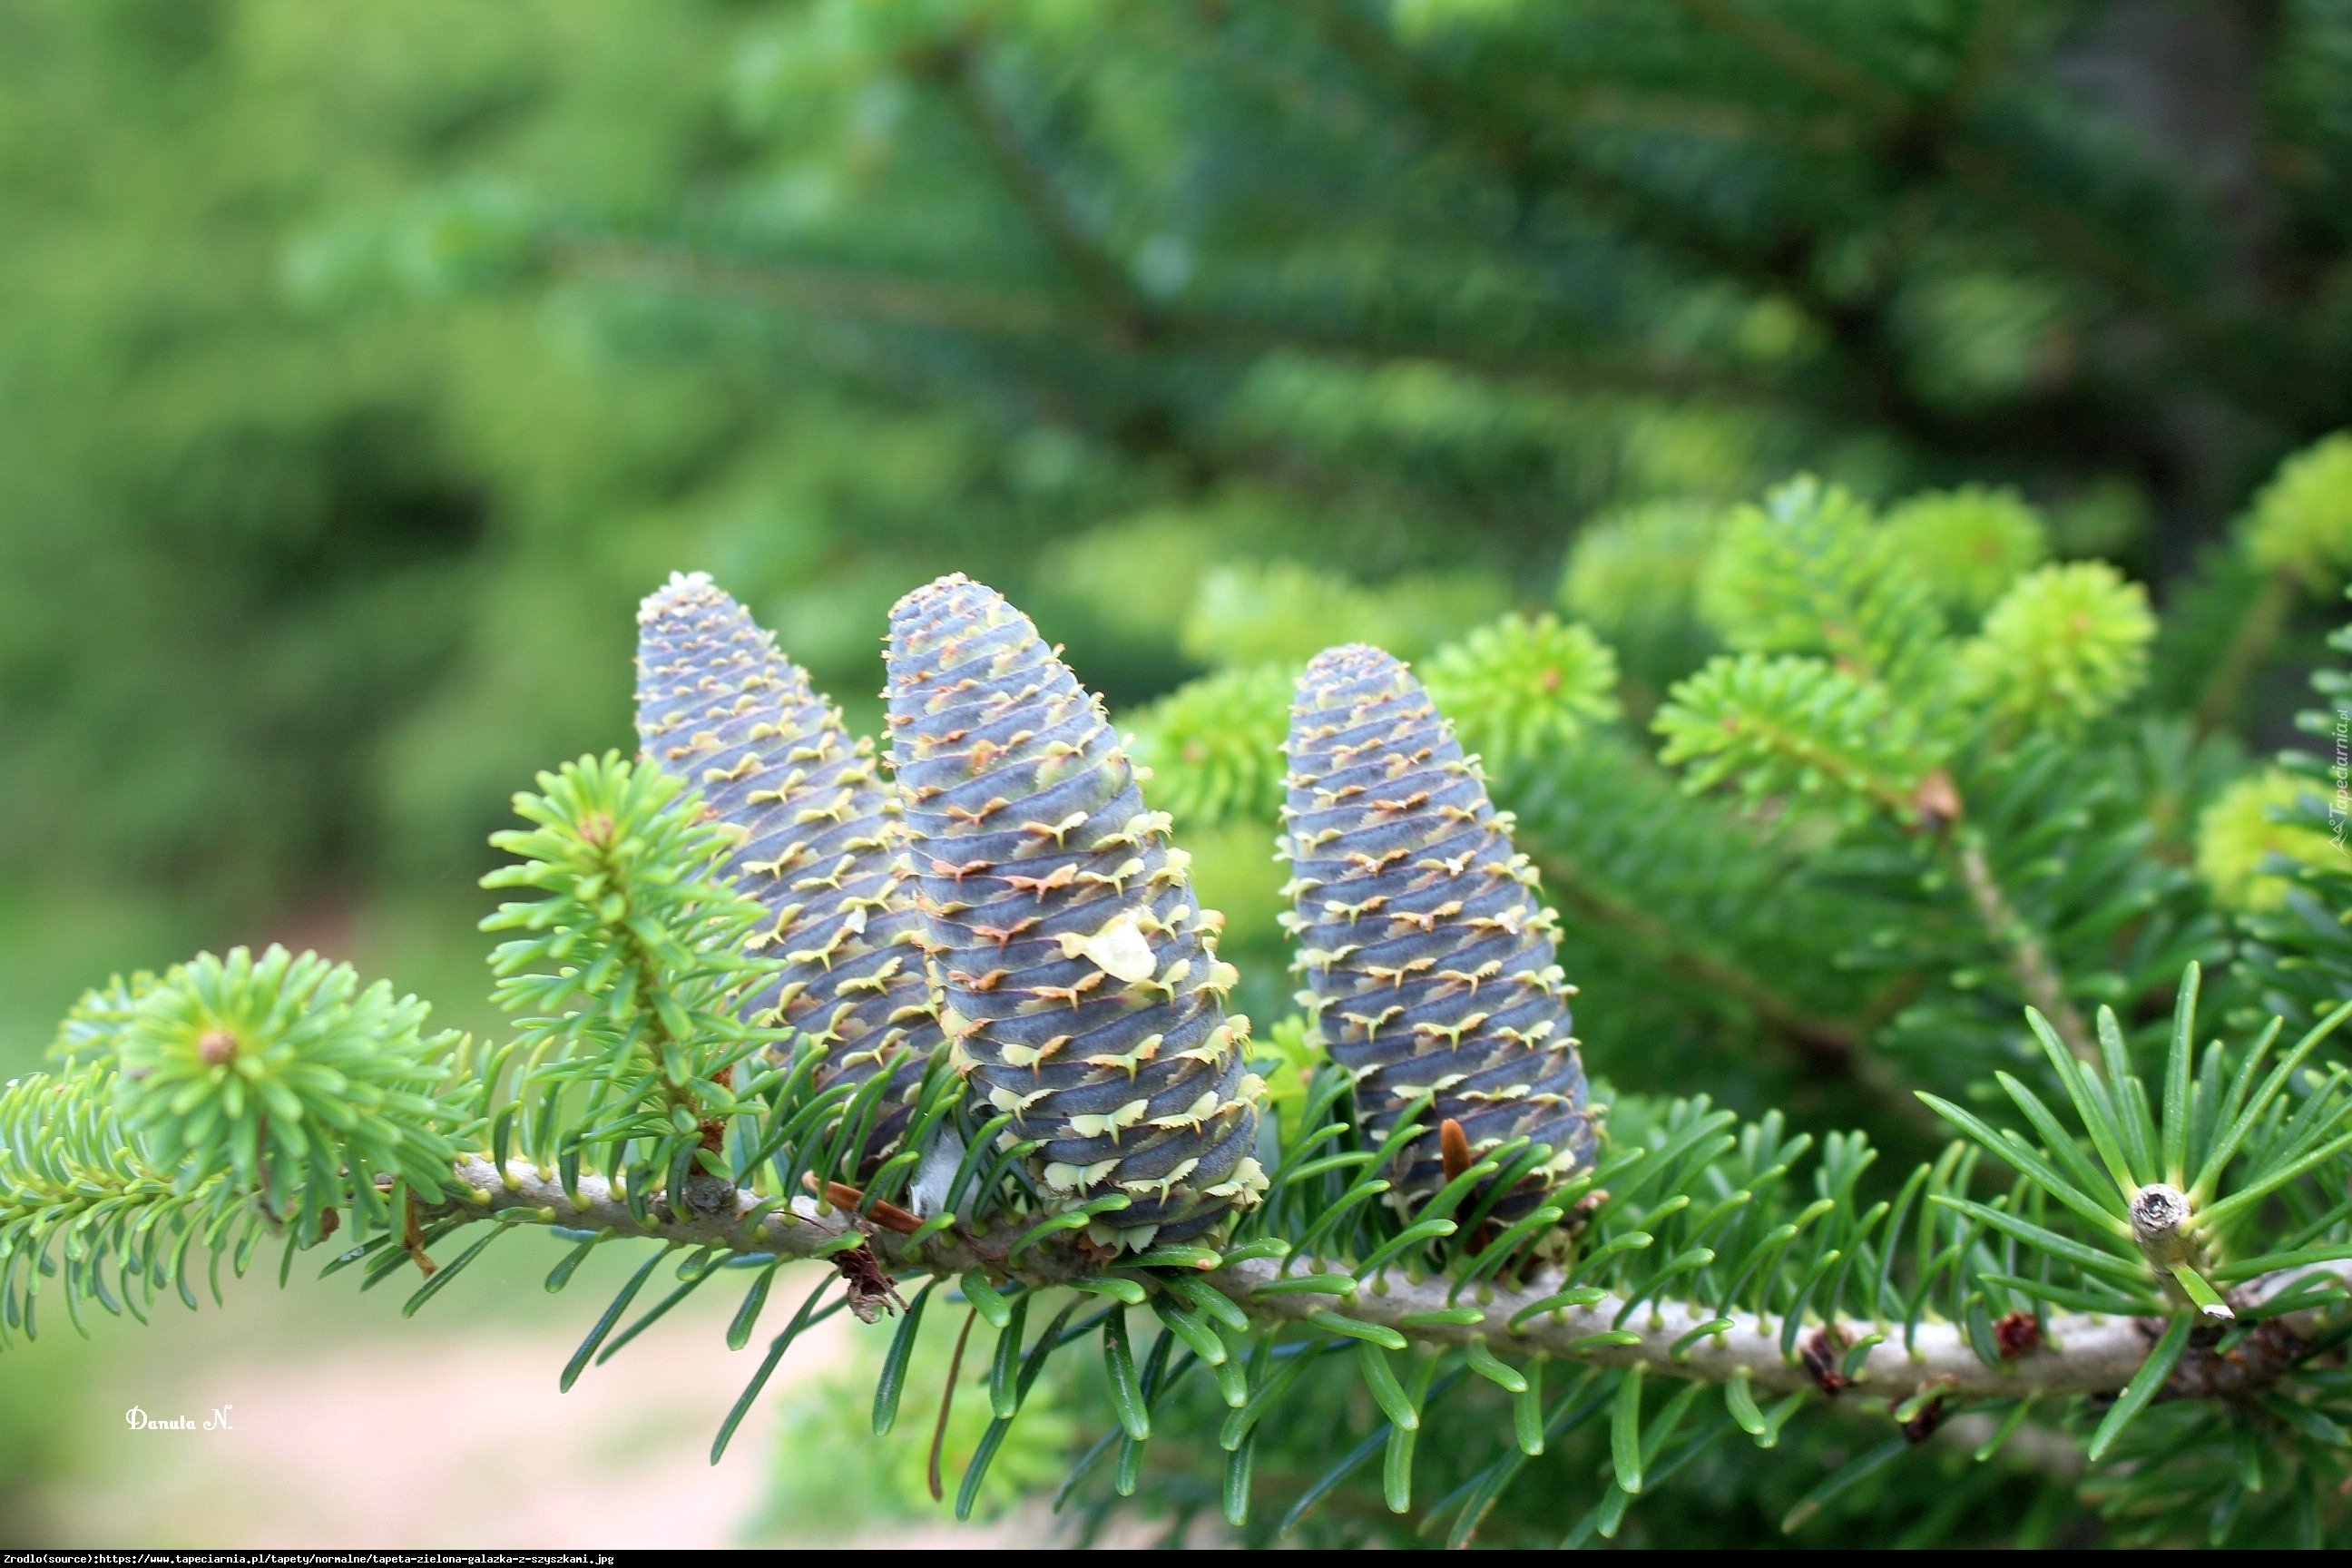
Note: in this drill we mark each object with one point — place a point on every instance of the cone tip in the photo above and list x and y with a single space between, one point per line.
919 600
683 591
1354 660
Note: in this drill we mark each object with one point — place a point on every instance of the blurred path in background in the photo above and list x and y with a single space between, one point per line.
433 1443
430 1438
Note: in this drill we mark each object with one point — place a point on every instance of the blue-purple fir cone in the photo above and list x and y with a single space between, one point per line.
1426 954
819 846
1080 984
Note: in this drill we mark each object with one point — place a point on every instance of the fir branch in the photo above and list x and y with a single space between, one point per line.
2082 1353
1787 724
1687 1248
900 300
2063 646
1944 141
1799 55
2257 632
1536 167
1712 898
960 74
888 298
1214 745
1832 1044
1684 945
78 1194
2028 956
2298 536
627 973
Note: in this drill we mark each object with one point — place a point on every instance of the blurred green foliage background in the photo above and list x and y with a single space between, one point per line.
362 364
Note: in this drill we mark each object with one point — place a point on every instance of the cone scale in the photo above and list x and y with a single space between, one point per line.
1426 956
1081 981
820 839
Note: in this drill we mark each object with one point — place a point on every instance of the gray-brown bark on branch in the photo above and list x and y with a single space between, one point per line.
2078 1353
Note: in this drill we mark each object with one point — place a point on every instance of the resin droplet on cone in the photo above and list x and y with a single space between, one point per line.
1081 980
1426 955
820 846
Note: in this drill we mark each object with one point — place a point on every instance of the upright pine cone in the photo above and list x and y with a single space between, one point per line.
1427 958
1081 984
821 839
